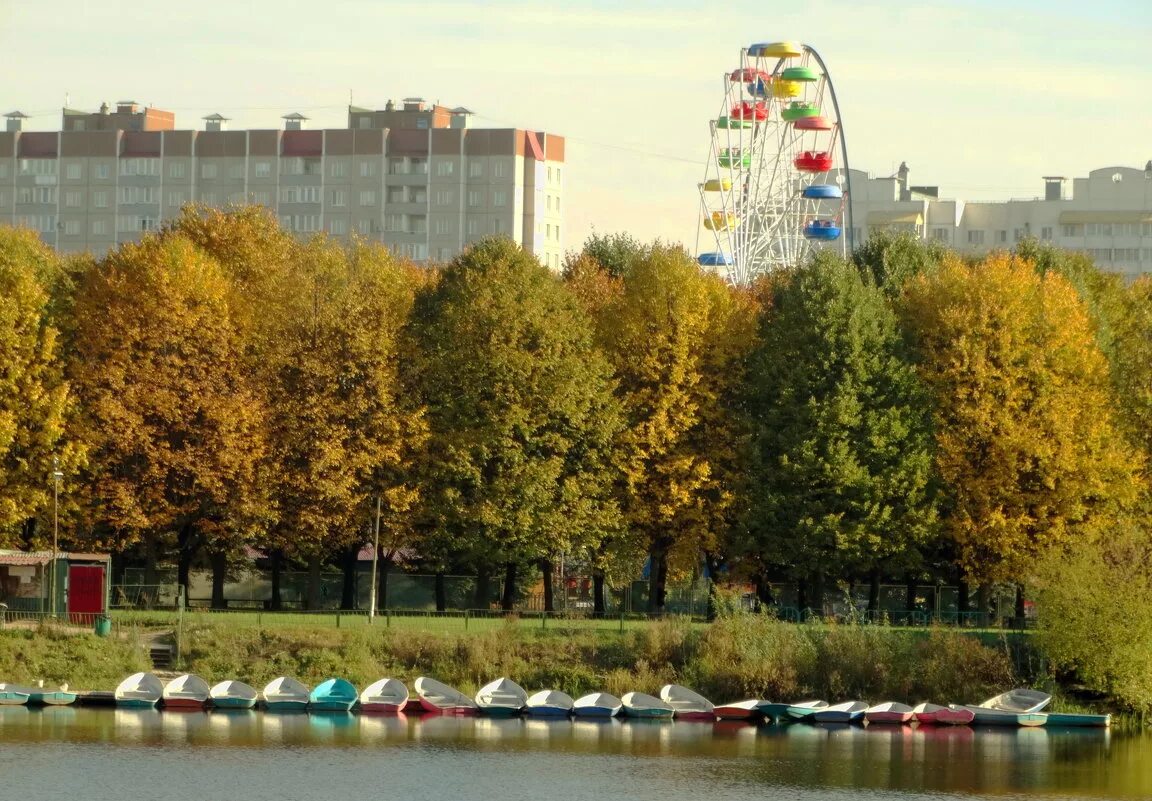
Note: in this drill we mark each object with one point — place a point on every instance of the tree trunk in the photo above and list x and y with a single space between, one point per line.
187 546
483 588
982 595
277 557
549 590
312 599
934 601
801 597
150 572
818 592
874 594
963 603
28 534
598 605
658 582
1019 611
384 566
441 593
909 597
508 600
763 591
219 561
349 564
713 565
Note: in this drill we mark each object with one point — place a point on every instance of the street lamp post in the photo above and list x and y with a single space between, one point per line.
375 556
56 476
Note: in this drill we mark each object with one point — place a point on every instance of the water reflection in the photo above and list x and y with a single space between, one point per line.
741 756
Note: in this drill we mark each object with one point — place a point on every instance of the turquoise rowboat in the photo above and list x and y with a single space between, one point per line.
804 710
502 698
1071 719
642 705
12 695
285 694
232 695
139 691
333 695
771 710
41 697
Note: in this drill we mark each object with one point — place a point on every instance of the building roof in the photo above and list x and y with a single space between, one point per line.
1073 217
216 116
17 115
295 115
44 557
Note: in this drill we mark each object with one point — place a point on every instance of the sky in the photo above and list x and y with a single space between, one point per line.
979 97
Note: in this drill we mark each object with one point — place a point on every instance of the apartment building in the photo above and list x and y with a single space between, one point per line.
1107 215
413 176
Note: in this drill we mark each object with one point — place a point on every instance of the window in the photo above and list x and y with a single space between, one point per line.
941 234
176 169
473 226
1017 234
3 169
101 170
497 226
1001 236
367 168
73 172
474 197
309 194
37 166
72 228
499 198
1145 228
557 176
422 123
139 166
419 194
339 197
548 202
557 204
499 169
444 197
1046 232
1072 230
975 237
176 199
133 223
136 194
397 167
339 169
208 198
301 223
36 194
261 198
100 200
364 227
338 227
368 197
419 166
208 171
395 194
262 169
549 175
548 231
442 226
365 121
475 169
236 172
99 227
557 230
394 222
444 168
236 199
419 224
443 254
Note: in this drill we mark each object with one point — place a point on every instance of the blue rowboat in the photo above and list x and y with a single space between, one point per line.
333 695
597 705
12 695
285 694
139 691
642 705
549 704
1073 719
848 712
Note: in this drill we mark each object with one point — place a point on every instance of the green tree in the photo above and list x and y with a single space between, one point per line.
844 447
615 253
35 404
521 414
169 415
890 259
1027 448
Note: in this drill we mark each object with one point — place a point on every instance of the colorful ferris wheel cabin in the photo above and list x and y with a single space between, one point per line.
798 109
824 230
775 50
813 124
803 74
729 123
814 161
785 89
717 185
732 158
822 192
714 260
746 110
720 221
748 74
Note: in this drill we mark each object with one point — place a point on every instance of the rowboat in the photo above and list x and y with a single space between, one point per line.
738 710
140 690
186 692
597 705
387 696
889 712
285 694
333 695
944 715
13 695
642 705
438 697
1003 717
1074 719
687 704
501 698
549 704
847 712
772 710
804 710
1021 699
232 695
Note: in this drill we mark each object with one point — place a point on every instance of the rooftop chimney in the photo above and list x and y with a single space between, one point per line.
215 122
413 104
126 107
902 180
15 120
389 106
104 109
294 121
1054 187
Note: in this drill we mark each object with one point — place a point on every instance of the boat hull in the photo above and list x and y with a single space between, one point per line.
801 713
695 715
648 713
773 711
135 703
382 708
735 713
547 712
836 717
233 703
184 703
286 706
498 711
889 717
430 707
331 705
1069 719
595 711
54 698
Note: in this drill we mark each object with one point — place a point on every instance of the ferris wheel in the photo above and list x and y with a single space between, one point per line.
776 186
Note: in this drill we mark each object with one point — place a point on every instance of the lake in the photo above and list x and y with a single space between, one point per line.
122 755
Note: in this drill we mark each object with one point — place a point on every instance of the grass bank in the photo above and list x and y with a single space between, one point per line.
84 661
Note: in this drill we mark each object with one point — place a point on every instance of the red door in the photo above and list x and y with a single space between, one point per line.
85 591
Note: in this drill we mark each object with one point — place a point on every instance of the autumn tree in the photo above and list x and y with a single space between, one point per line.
35 404
173 425
1026 444
521 415
614 253
678 339
842 483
